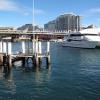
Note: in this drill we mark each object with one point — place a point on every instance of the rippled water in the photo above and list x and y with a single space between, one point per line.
74 75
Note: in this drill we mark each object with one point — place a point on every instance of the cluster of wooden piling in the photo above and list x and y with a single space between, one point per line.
7 58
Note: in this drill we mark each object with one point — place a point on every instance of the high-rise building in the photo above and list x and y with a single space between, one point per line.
68 22
50 25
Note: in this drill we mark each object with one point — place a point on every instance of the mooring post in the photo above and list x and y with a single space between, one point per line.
9 62
23 62
23 47
36 51
9 52
40 53
33 46
34 61
1 54
28 47
9 48
4 47
48 54
37 61
0 46
5 58
5 63
36 47
48 61
48 46
40 48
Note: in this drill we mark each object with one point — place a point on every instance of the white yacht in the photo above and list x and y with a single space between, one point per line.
88 38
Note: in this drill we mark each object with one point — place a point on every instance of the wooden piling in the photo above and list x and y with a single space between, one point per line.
33 46
23 62
40 53
9 48
47 61
36 47
34 61
5 63
23 47
1 59
48 47
1 55
4 47
37 61
9 62
40 61
48 54
4 59
39 48
1 46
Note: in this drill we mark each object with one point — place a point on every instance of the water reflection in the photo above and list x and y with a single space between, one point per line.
1 74
9 82
42 75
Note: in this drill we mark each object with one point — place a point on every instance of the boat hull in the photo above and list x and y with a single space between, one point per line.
79 44
98 44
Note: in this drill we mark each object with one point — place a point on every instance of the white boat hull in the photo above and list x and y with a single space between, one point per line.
79 44
94 39
97 44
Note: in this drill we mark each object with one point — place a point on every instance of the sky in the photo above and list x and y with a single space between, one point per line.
47 10
15 13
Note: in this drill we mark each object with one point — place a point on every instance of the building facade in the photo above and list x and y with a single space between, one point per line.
51 26
68 22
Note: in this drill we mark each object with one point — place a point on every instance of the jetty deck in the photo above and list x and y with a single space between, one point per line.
7 57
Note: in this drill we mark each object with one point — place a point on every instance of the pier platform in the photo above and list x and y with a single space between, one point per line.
7 57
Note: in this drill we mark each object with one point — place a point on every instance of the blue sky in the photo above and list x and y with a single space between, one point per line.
46 10
15 13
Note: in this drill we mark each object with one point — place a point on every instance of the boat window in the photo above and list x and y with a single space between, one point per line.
68 40
76 34
84 34
92 34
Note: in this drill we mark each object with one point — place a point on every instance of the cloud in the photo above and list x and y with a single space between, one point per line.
95 10
26 11
8 5
98 19
38 11
90 12
11 5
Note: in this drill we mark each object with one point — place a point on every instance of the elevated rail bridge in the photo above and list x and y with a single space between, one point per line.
44 35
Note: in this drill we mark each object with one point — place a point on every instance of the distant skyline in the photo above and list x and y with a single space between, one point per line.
15 13
47 10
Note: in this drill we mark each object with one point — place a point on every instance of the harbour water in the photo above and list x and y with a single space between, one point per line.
74 75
